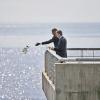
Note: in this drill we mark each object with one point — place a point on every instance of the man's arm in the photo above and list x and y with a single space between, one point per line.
45 42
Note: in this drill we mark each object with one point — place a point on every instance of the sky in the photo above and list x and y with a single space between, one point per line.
30 11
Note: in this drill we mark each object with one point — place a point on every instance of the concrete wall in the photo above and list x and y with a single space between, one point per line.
50 59
48 87
77 81
74 79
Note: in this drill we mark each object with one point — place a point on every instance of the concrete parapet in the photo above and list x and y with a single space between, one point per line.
73 79
48 87
77 81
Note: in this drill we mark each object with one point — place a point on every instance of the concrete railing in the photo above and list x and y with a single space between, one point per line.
51 58
77 81
71 78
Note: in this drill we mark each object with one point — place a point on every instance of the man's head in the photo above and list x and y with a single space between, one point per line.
54 30
59 33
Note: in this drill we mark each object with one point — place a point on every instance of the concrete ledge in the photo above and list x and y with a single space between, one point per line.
71 78
48 87
77 81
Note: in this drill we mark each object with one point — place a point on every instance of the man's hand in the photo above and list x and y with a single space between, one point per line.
37 44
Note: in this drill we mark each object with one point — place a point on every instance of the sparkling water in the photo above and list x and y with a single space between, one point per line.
20 74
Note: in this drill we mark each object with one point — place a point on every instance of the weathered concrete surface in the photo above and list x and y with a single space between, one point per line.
73 79
48 87
78 81
50 60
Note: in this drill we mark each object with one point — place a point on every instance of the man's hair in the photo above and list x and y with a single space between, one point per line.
54 29
59 32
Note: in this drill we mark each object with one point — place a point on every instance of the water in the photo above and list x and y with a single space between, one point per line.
20 74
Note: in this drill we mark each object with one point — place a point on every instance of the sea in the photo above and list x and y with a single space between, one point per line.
20 73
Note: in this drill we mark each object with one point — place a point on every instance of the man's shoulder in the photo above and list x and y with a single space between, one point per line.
63 38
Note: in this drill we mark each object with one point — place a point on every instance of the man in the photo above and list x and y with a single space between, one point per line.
61 48
54 39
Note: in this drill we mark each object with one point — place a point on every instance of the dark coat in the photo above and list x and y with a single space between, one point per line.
61 48
55 40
